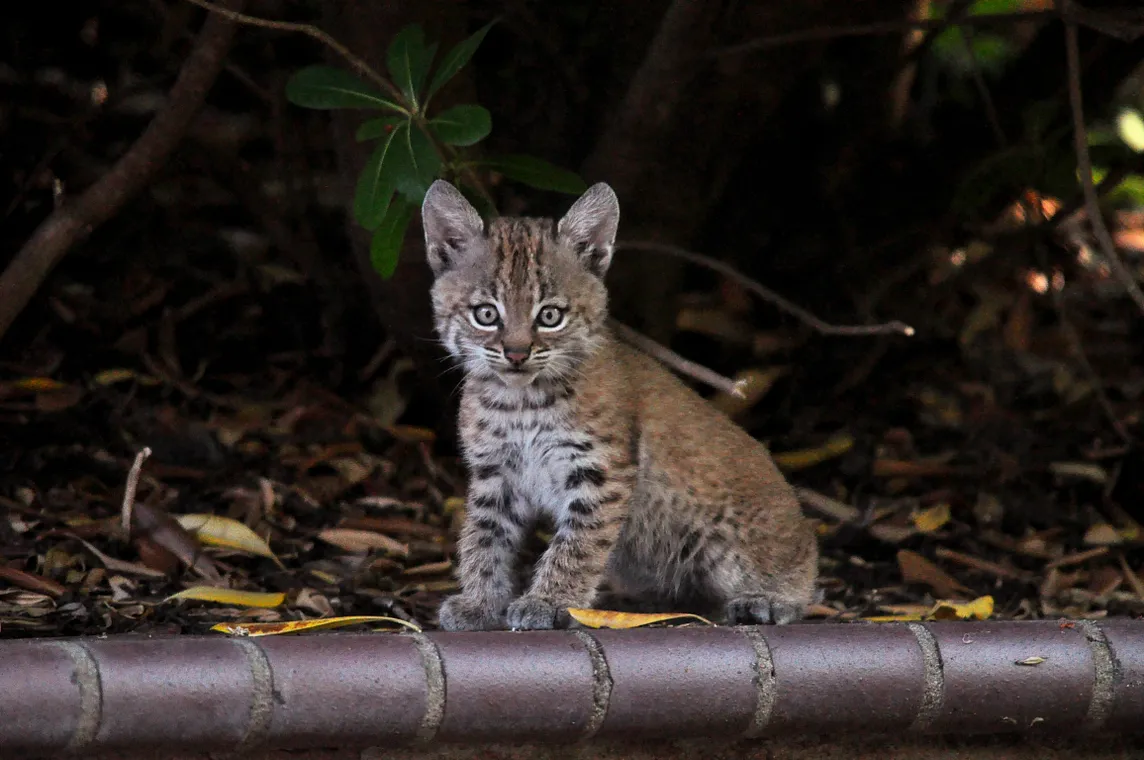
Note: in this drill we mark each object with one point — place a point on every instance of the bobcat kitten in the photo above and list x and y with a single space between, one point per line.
650 489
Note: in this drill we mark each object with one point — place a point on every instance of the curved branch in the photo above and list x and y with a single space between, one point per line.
314 32
768 295
75 220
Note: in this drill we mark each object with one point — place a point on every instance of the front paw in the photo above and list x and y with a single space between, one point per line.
466 613
533 613
752 610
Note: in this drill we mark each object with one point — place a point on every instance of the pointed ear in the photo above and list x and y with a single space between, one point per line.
589 227
450 223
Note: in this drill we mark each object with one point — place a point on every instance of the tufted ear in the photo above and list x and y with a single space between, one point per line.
589 227
450 223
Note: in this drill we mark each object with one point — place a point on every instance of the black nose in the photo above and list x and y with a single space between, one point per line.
516 355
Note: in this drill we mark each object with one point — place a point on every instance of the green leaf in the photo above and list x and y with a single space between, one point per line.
375 128
536 172
456 60
417 165
325 87
385 248
1131 128
379 179
462 125
409 60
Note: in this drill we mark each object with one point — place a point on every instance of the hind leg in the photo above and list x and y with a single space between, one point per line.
772 586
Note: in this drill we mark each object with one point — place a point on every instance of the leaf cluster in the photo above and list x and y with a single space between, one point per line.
415 143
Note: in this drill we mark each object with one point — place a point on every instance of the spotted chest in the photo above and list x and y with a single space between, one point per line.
530 439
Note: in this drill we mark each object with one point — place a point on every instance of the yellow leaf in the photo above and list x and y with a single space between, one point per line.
754 384
230 596
929 520
453 503
612 619
906 617
980 608
38 384
297 626
215 530
1031 661
835 446
112 376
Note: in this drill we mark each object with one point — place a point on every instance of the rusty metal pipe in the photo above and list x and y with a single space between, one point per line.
201 693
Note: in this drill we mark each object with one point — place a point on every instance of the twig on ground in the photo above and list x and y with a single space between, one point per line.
1077 558
827 506
677 362
992 568
131 487
768 295
75 220
1084 163
312 31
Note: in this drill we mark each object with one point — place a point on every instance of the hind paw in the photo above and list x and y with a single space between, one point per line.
758 609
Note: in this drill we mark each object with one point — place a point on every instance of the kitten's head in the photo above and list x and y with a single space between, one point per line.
524 298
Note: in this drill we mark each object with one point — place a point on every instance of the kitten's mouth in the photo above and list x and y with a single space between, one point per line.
518 377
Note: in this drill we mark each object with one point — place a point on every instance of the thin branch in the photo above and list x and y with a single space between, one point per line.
768 295
74 220
826 33
677 362
309 30
979 82
445 151
131 487
1084 164
1122 23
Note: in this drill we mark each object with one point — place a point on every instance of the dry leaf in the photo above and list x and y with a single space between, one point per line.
1102 534
230 596
215 530
980 608
1031 661
118 565
430 568
917 569
155 531
298 626
801 459
929 520
613 619
112 376
900 468
31 581
1081 470
37 385
362 541
411 434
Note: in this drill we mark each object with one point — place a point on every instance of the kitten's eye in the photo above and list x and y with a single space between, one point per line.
485 315
550 317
